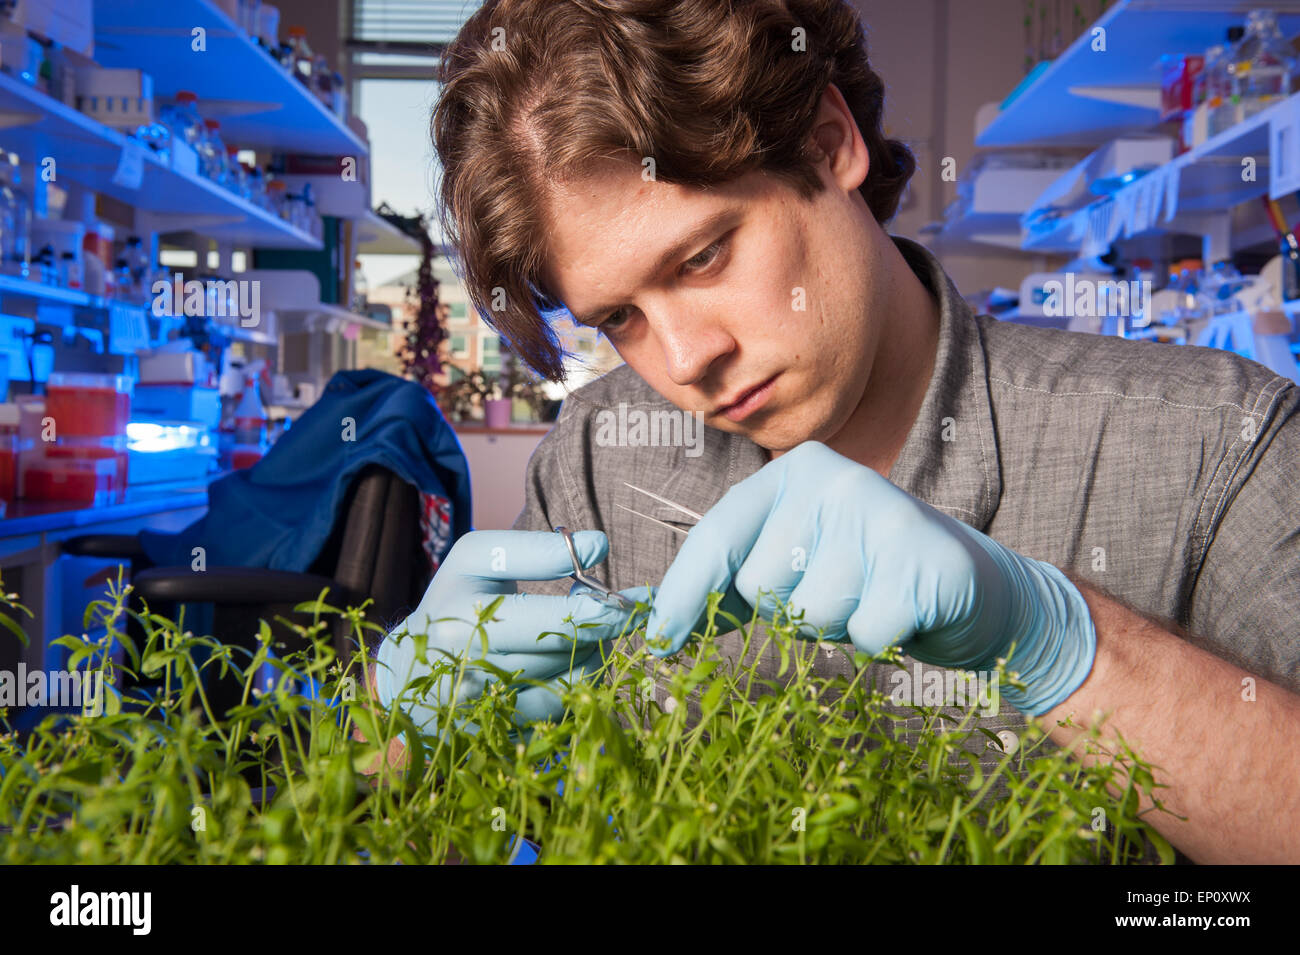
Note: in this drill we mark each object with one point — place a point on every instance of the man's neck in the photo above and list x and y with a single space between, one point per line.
900 374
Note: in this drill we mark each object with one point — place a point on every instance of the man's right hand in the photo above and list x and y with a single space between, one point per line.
527 632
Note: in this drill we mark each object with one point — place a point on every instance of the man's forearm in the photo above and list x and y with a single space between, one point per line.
1231 764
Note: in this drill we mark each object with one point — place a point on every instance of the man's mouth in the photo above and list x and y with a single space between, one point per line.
748 401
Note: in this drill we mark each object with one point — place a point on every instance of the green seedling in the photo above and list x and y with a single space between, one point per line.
709 763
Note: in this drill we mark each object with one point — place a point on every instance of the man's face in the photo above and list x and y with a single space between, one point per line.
771 289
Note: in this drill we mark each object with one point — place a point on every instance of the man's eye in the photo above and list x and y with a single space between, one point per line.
708 255
612 321
702 261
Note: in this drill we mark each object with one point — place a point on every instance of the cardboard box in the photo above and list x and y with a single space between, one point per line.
69 22
120 98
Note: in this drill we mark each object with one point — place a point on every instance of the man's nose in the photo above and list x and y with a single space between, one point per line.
691 341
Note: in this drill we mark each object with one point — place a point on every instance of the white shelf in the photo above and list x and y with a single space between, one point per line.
377 236
86 151
258 102
323 313
1073 101
1178 195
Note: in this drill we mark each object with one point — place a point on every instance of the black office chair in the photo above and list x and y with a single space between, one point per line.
373 551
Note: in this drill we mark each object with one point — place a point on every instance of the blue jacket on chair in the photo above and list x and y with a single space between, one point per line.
279 513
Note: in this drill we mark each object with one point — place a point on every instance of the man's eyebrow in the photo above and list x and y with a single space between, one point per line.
707 225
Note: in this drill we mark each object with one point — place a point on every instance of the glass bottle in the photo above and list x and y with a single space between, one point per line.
238 178
322 79
214 153
15 248
125 291
1261 65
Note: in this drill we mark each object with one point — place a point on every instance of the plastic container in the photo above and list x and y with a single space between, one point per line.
1260 67
82 480
88 406
212 155
90 470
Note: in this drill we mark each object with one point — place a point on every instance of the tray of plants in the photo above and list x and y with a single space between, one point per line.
813 771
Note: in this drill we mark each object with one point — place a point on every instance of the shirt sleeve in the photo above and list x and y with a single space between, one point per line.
1246 597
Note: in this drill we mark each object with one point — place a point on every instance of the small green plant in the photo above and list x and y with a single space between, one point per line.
733 769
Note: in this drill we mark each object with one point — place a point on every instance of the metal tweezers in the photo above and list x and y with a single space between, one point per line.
594 588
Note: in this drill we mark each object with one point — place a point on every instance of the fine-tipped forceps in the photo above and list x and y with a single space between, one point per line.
589 585
662 500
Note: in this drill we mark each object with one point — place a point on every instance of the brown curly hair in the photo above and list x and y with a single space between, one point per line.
534 91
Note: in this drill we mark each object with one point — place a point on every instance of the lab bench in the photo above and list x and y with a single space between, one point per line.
57 587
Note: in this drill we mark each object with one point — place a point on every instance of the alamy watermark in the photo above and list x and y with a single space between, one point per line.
942 687
67 689
636 428
214 298
1097 298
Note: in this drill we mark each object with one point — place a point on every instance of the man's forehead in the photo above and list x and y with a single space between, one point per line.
618 220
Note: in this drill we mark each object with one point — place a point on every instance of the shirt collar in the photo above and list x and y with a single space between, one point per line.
950 457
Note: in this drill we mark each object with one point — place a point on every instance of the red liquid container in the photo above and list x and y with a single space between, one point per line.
88 406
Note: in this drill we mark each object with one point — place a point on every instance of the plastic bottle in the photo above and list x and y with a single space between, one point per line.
1261 66
257 188
322 79
250 418
277 199
311 223
126 291
303 61
137 261
361 288
158 137
182 118
69 271
1211 84
45 267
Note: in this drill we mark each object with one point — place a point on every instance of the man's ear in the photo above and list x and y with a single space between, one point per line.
837 140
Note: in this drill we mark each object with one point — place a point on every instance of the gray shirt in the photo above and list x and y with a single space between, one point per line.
1167 476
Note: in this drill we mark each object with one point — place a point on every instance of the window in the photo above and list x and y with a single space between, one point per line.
459 346
491 353
457 311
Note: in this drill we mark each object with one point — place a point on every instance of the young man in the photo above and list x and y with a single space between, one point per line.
708 185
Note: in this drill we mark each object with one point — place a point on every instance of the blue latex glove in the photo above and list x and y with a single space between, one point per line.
866 560
481 566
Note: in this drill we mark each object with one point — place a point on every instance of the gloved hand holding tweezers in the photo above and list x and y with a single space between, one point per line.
482 566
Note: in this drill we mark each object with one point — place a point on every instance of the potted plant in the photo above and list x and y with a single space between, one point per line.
496 400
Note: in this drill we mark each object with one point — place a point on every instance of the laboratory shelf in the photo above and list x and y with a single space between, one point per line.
377 236
1088 96
82 149
1241 163
257 101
